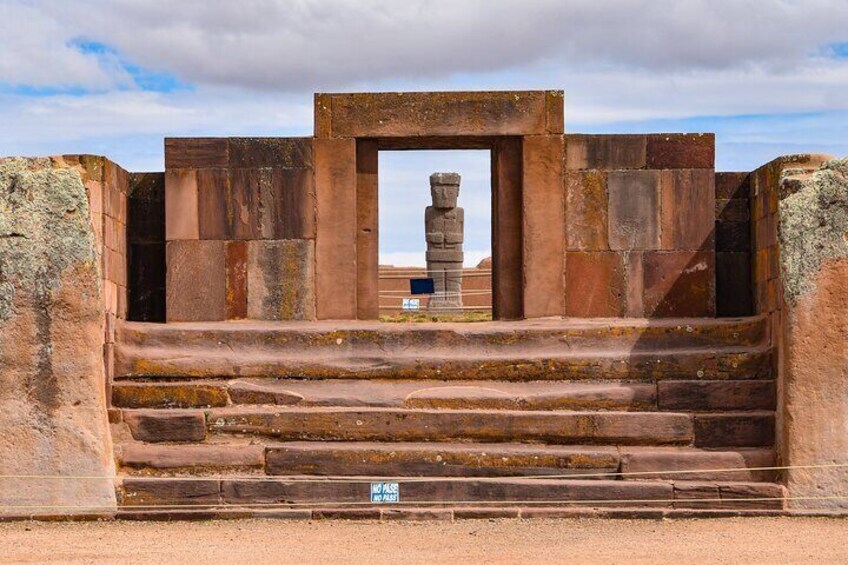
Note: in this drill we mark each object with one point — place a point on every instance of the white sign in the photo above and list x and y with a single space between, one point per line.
383 493
411 303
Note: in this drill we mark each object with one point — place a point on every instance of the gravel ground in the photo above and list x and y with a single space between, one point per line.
737 540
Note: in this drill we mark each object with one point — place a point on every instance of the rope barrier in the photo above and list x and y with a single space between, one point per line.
368 479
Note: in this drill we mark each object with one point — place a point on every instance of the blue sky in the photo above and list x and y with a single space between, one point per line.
114 77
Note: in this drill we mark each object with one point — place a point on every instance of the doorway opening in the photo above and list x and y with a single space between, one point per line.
453 282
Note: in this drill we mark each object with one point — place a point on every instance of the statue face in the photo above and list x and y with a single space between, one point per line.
444 195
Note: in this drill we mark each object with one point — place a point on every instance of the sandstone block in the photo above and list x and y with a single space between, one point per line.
734 294
245 203
196 281
235 266
191 456
586 202
594 285
244 392
214 204
634 210
288 204
168 395
146 213
181 205
688 209
605 152
281 280
734 210
687 464
733 236
196 153
732 185
147 274
679 283
255 152
171 425
681 151
734 430
147 492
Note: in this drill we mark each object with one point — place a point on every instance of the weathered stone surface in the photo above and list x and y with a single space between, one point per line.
732 185
605 152
245 203
215 208
681 151
247 392
688 209
594 285
717 395
281 280
814 268
586 202
679 283
416 114
254 152
196 281
195 153
435 459
235 267
634 210
442 425
734 293
168 425
157 491
142 455
688 464
181 221
741 429
168 395
52 404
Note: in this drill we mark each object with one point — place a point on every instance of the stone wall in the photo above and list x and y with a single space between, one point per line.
240 229
62 239
639 225
801 273
734 292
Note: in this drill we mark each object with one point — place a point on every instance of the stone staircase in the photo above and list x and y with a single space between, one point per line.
469 419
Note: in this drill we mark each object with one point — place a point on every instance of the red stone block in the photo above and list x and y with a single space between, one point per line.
734 430
594 285
245 186
172 425
288 205
732 185
733 210
717 395
688 209
280 280
605 152
254 152
181 221
215 209
586 201
196 281
635 285
196 153
679 283
634 210
681 151
236 273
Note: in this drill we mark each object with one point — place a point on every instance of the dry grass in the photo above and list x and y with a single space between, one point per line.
418 317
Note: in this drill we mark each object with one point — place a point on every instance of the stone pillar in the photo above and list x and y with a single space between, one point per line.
444 224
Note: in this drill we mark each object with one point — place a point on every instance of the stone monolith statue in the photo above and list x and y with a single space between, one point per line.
444 226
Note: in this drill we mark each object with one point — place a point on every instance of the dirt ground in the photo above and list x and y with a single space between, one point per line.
745 540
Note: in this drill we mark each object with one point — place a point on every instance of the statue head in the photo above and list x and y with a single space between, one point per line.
444 187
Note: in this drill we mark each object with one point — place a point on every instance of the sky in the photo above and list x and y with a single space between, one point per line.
114 77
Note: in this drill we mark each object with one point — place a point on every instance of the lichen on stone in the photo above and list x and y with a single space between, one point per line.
813 226
44 228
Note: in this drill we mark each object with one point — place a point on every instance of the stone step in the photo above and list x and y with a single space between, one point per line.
387 424
150 492
551 395
174 360
729 429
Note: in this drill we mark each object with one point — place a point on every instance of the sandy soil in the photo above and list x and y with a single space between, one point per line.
752 540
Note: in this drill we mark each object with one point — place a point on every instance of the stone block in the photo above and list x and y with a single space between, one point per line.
147 274
586 202
191 456
143 491
281 280
196 281
733 210
733 236
181 205
246 392
196 153
605 152
256 152
416 114
687 464
634 210
507 280
335 244
244 189
235 266
717 395
543 226
594 285
734 292
168 395
287 199
681 151
688 209
634 281
214 204
679 283
734 430
170 425
752 495
146 212
732 185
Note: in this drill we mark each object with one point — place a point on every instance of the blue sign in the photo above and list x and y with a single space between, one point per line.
383 493
422 286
